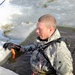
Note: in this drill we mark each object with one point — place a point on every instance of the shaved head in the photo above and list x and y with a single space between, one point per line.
48 19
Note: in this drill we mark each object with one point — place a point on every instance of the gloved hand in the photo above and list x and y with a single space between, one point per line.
12 46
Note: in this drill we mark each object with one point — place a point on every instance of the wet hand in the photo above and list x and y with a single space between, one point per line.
12 46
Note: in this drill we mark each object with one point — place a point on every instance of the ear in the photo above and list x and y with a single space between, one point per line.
51 29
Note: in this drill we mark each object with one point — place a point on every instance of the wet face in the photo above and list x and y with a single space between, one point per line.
42 31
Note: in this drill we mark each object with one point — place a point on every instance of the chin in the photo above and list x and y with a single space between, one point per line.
42 38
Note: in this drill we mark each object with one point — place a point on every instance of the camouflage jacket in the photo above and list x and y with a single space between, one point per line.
57 53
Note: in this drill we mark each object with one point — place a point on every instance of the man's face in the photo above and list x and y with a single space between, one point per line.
42 31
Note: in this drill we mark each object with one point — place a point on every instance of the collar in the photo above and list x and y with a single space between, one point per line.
55 36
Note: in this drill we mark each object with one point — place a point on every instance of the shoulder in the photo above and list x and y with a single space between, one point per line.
63 53
62 47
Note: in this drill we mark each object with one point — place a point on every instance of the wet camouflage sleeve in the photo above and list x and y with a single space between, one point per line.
31 47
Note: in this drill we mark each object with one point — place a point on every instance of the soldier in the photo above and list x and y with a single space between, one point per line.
55 59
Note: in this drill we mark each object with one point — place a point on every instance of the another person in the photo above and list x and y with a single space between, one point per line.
56 58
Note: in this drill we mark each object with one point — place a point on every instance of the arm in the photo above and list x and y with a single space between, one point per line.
64 61
29 48
18 47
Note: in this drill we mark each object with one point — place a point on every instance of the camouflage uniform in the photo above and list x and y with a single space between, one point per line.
58 55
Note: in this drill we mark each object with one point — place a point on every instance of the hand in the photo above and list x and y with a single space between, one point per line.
12 46
7 45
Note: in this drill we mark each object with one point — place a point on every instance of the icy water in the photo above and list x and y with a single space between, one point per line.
18 17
